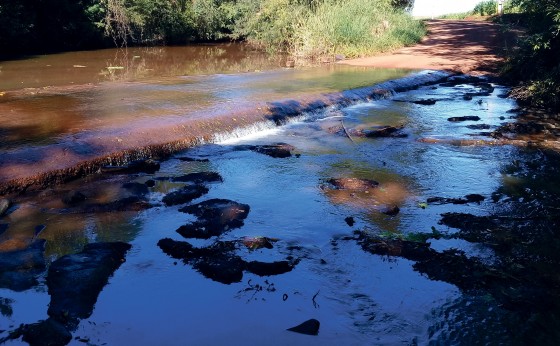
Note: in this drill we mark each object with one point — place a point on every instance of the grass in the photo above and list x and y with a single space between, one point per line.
353 28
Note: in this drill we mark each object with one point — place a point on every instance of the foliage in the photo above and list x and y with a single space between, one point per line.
354 28
536 66
306 28
486 8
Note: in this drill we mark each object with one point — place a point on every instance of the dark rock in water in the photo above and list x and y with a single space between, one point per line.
136 189
461 79
45 333
467 97
426 102
278 150
471 198
3 227
390 210
350 221
475 198
226 268
219 262
254 243
185 194
150 183
75 281
19 268
356 184
479 127
267 269
216 216
197 178
379 132
465 118
73 198
4 206
190 159
139 166
309 327
132 203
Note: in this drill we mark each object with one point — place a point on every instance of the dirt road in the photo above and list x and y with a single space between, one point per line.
453 45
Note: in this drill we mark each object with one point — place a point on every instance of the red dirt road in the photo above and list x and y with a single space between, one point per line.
453 45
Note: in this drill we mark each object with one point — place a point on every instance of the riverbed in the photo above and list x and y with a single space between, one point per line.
388 220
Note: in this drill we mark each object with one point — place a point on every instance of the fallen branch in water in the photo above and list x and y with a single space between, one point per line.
346 131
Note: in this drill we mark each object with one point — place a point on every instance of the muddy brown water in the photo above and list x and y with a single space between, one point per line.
359 296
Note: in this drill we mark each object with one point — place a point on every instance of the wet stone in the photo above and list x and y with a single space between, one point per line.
425 102
479 127
219 262
215 216
75 281
139 166
19 269
132 203
390 210
196 178
309 327
465 118
471 198
350 221
185 194
356 184
136 189
278 150
49 332
380 132
150 183
191 159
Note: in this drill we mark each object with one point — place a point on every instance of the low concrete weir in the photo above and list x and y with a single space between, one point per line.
85 152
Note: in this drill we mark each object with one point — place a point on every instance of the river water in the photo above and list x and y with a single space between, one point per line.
360 297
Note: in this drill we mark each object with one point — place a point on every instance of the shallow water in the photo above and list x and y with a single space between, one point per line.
359 298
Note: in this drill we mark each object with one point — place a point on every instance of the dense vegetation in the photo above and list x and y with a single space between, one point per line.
306 28
535 66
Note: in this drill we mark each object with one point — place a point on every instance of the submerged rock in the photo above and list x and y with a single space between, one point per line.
390 210
136 189
356 184
379 132
309 327
4 206
139 166
75 281
215 216
185 194
425 102
465 118
19 269
132 203
191 159
471 198
49 332
479 127
278 150
219 262
73 197
196 178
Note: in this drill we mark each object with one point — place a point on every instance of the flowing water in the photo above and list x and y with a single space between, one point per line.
360 298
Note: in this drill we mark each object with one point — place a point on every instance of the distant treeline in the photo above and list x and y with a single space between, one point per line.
301 27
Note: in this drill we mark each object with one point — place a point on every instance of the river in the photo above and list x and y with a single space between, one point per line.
407 236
